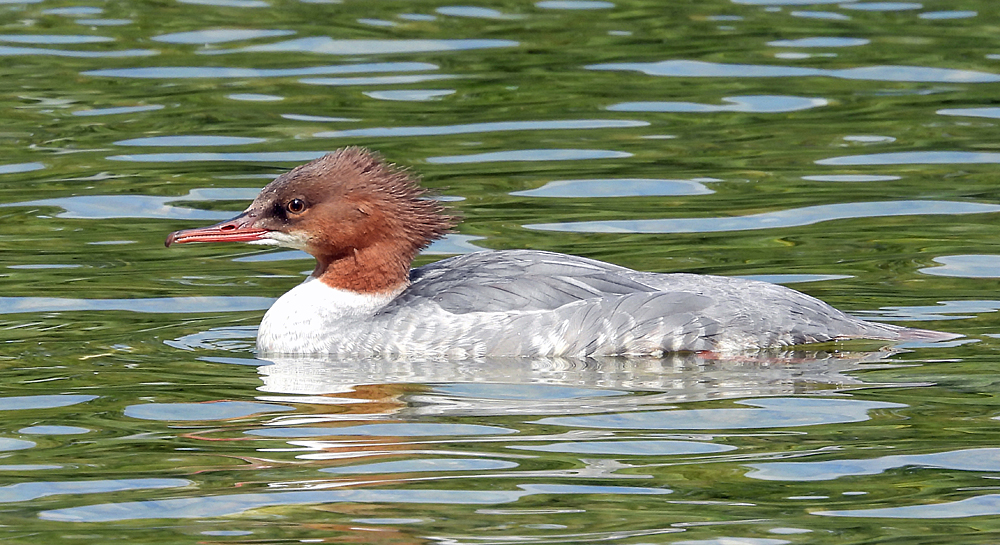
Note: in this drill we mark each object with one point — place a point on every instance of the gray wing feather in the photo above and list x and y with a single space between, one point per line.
528 302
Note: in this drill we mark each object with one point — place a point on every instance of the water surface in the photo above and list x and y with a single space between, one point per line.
845 148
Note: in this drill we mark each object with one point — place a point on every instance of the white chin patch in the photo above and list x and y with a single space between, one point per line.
285 240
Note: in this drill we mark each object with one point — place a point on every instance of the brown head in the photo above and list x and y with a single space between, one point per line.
362 219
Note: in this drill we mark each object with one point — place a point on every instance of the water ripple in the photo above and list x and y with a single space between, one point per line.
228 3
423 465
262 156
947 14
992 113
474 12
20 167
700 69
618 187
190 140
410 95
117 111
977 506
74 11
530 155
104 22
21 403
329 46
376 80
965 266
215 36
851 178
767 413
882 6
22 51
234 504
410 429
574 4
33 490
915 158
152 305
978 459
820 42
216 410
53 430
829 15
178 72
142 206
648 447
796 217
52 39
6 443
470 128
753 103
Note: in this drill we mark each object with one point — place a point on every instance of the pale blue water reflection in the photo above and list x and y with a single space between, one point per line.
52 39
965 266
53 430
702 69
851 178
475 12
27 403
982 459
142 206
828 15
74 11
472 128
221 35
882 6
773 220
947 14
915 158
821 41
756 104
156 305
10 51
643 447
220 410
33 490
184 72
624 187
386 430
330 46
421 465
530 155
992 113
413 95
232 504
768 413
118 110
104 22
20 167
189 140
7 443
978 506
376 80
574 4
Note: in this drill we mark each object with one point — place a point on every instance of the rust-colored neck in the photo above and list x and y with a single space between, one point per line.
373 269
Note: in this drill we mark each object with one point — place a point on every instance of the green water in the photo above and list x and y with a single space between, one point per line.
846 149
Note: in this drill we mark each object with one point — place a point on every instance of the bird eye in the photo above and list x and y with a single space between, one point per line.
296 206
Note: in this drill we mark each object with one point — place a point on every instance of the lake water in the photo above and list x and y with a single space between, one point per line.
847 149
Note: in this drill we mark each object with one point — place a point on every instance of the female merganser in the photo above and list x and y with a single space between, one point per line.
364 221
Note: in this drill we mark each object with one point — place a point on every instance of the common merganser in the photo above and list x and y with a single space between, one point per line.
365 220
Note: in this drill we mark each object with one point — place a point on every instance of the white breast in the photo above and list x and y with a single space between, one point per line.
304 320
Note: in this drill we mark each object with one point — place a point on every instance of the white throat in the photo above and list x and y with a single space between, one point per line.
304 320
